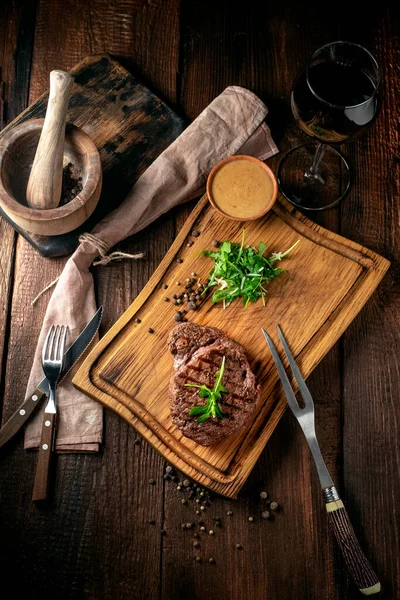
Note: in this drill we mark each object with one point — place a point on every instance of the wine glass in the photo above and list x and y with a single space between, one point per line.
334 99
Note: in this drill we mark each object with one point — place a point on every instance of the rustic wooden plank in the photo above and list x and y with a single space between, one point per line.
371 378
97 537
16 42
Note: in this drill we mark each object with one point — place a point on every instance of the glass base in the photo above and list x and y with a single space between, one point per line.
306 190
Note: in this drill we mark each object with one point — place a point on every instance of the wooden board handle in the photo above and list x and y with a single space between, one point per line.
359 567
42 476
45 180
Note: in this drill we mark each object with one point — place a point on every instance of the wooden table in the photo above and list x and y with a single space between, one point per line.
95 542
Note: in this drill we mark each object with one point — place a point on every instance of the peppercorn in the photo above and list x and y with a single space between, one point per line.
266 514
195 233
179 260
184 501
165 286
229 513
263 495
196 536
178 317
163 532
211 560
196 544
138 320
198 559
215 243
186 482
188 526
150 330
251 519
192 306
274 506
211 532
168 469
152 481
239 546
166 299
151 521
202 528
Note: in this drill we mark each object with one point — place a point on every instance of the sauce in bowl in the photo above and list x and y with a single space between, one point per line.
242 187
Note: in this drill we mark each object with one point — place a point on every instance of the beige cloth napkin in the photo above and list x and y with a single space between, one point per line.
231 124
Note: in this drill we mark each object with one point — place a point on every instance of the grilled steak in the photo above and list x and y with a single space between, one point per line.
198 353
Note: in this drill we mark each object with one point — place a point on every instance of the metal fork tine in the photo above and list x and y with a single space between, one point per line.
287 388
54 346
63 342
304 391
46 343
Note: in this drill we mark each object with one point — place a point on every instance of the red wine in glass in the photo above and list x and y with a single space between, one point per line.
334 99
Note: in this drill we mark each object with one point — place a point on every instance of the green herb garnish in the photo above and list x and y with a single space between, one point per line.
242 271
211 408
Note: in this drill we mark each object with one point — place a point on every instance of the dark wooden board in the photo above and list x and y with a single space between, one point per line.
129 125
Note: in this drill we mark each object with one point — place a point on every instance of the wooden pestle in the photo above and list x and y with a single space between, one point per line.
45 180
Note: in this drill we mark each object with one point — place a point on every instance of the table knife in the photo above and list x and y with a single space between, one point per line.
74 352
355 559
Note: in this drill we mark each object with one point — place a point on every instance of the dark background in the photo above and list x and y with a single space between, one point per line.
95 541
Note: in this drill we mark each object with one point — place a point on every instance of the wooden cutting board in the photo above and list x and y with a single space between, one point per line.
129 125
328 280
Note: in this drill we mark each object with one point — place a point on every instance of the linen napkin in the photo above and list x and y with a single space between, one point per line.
232 124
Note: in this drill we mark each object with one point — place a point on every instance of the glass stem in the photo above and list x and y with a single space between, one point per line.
314 173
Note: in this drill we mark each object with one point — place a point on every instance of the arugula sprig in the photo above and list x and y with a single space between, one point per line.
242 271
211 408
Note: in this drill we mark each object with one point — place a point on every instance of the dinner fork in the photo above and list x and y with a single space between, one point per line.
52 363
357 564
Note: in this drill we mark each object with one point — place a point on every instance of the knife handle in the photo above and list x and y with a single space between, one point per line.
21 415
358 565
46 447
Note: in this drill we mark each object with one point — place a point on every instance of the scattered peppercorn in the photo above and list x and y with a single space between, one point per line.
198 559
211 561
196 536
165 286
196 544
195 233
152 481
151 521
239 546
188 526
137 442
198 512
168 469
166 299
138 320
178 487
178 316
202 508
179 301
150 330
215 243
163 532
274 506
179 260
202 528
251 519
183 525
167 477
186 482
266 514
263 495
178 283
192 306
194 274
211 532
229 513
184 501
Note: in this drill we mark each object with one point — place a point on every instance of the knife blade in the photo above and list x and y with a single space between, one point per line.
71 356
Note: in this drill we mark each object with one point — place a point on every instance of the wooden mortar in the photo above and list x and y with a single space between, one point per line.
17 152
